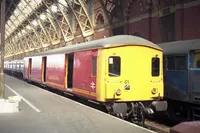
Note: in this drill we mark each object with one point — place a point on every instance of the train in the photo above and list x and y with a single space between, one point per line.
182 79
124 73
14 67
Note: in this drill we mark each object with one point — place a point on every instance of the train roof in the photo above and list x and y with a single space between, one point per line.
114 41
14 61
180 47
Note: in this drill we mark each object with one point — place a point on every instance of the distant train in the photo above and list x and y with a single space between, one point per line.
124 73
15 67
182 79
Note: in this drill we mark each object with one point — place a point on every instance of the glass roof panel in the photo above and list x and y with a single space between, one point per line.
33 4
34 22
12 18
61 6
12 26
63 2
20 14
19 34
38 1
21 5
21 17
16 38
28 27
16 12
9 23
28 8
9 26
16 22
43 16
23 31
26 11
54 8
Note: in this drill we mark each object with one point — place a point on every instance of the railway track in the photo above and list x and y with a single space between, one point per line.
156 126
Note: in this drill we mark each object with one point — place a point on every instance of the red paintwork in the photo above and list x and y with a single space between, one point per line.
26 68
36 70
82 72
55 71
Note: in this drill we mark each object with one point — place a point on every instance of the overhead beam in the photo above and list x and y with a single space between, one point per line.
80 12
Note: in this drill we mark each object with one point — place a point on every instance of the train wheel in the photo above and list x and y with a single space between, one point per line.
138 114
121 110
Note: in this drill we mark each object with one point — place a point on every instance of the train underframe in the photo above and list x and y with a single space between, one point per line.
183 111
136 111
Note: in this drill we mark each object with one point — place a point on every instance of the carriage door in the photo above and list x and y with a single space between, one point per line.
44 63
93 72
69 69
29 68
113 82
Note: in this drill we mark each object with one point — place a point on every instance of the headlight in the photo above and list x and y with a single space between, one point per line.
154 91
118 92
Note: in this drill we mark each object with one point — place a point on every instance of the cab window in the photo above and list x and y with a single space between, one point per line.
114 66
155 66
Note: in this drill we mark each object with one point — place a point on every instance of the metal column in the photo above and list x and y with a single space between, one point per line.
2 42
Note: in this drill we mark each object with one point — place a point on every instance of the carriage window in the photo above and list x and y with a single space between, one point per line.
198 63
94 66
114 66
177 63
170 63
181 63
155 66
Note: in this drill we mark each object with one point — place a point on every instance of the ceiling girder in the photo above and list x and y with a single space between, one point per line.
110 7
78 7
55 24
41 24
66 27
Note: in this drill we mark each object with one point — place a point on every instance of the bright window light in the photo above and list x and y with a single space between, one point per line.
63 2
23 31
28 27
42 16
54 8
34 23
38 1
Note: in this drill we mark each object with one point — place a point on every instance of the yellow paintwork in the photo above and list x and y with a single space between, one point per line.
55 84
136 67
36 79
196 58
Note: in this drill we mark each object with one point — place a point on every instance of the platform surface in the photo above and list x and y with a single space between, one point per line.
42 111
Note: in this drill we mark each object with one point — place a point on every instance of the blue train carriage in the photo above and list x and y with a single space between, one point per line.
182 79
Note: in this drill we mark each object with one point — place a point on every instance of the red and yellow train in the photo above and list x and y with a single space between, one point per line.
123 72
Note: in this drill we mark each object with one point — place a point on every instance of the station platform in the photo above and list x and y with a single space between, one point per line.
42 111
